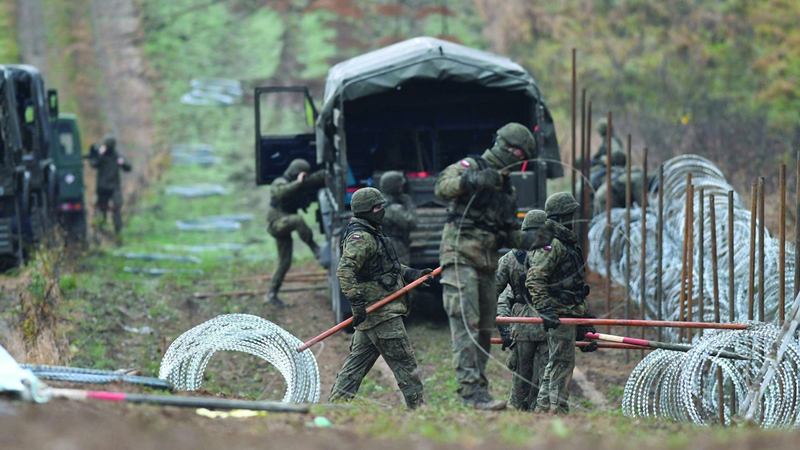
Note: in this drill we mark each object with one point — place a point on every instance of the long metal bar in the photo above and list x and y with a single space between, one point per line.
587 168
628 189
752 284
690 264
657 344
643 268
586 207
701 247
684 256
609 133
782 248
579 344
632 323
574 143
731 287
660 248
761 256
712 211
372 308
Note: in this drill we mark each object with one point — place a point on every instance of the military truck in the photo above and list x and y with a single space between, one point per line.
69 189
415 106
11 175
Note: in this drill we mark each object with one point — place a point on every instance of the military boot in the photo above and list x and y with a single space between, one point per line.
272 299
483 401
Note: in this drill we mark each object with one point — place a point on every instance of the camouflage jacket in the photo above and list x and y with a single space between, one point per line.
489 224
108 166
555 276
400 218
286 197
515 300
369 271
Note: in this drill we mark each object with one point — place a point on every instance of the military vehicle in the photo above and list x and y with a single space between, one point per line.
10 177
416 106
69 190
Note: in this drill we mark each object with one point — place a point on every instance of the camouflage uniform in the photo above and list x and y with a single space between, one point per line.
482 220
109 186
616 143
555 282
401 216
287 196
618 181
369 271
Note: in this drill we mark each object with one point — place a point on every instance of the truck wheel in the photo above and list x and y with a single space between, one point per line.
76 226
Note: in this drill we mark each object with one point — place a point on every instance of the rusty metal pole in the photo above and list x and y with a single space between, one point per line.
643 296
715 279
752 285
782 248
628 238
660 248
731 291
761 256
690 265
586 167
701 247
609 133
684 257
586 208
574 52
797 230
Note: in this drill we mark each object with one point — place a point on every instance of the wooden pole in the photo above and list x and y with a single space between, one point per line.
715 278
586 207
574 141
643 268
701 316
690 264
761 256
660 248
628 238
609 229
588 179
752 291
684 257
782 248
731 289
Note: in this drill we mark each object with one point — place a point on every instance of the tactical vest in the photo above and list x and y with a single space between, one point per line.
490 210
383 266
567 282
299 200
523 296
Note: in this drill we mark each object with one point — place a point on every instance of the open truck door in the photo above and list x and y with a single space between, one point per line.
276 144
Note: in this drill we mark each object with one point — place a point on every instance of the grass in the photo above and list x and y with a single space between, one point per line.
9 50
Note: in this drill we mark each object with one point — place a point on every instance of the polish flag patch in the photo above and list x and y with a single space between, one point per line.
548 247
465 163
355 236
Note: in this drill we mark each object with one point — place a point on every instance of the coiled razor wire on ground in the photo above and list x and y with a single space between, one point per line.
93 376
231 222
683 386
186 359
213 92
201 154
708 177
197 190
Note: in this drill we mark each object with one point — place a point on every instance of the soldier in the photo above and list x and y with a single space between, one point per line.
528 342
483 219
555 283
618 181
288 194
401 216
369 271
108 163
616 143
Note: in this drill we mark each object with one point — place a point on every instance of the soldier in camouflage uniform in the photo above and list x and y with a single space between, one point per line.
618 179
616 143
555 283
288 194
401 216
109 163
483 219
368 272
528 342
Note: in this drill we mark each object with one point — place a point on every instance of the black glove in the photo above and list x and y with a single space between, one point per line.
414 274
549 318
484 178
589 348
580 335
505 335
359 308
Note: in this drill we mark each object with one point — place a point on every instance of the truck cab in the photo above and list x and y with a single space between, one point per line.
416 106
70 188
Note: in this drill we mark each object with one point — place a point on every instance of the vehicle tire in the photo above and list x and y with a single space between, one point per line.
76 226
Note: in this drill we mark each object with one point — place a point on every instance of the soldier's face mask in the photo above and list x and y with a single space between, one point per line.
376 215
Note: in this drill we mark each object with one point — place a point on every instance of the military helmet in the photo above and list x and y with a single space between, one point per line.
618 159
392 182
296 167
513 136
561 204
109 141
602 127
534 219
365 199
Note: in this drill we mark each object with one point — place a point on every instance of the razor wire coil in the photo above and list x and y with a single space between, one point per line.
186 359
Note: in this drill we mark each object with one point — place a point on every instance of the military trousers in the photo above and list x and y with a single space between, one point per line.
554 394
528 360
390 340
281 229
104 196
470 300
